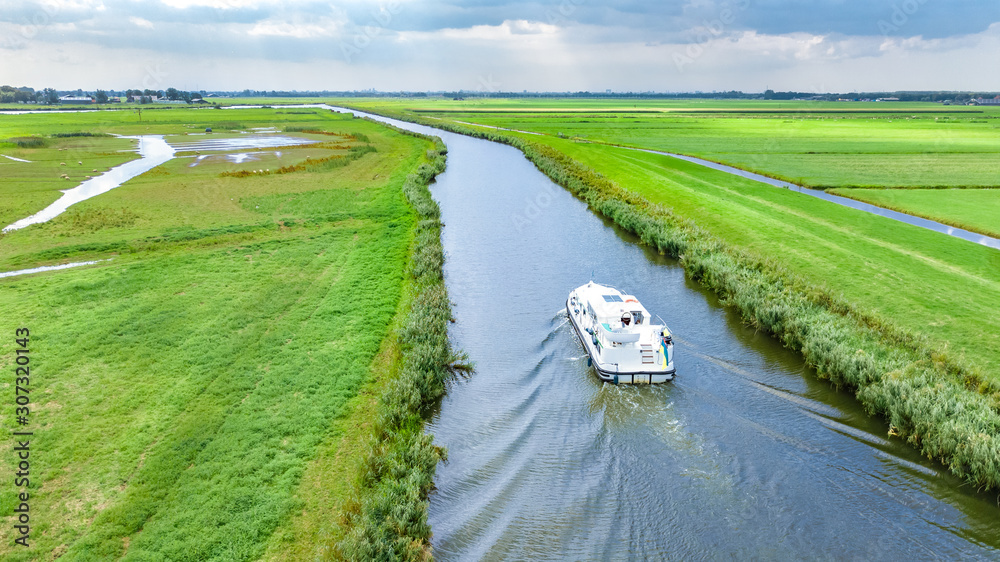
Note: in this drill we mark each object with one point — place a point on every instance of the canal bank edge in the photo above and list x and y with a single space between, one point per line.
944 408
387 517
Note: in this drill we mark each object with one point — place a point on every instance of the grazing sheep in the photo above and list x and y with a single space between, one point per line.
62 163
80 162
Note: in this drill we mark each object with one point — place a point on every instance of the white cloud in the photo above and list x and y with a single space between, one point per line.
217 4
509 30
140 22
296 30
53 6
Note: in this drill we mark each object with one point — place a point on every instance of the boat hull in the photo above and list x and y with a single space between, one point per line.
611 373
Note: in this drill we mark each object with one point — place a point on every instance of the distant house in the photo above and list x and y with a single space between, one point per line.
887 99
139 99
76 99
988 101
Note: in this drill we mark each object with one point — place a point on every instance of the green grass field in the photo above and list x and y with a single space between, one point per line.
818 144
188 397
926 282
976 210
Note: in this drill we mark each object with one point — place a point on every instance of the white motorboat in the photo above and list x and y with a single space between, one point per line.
624 343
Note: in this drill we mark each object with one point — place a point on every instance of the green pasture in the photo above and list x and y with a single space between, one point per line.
976 210
182 392
818 144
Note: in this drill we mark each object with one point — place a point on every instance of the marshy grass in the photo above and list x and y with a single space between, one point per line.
225 125
94 219
78 134
27 142
316 165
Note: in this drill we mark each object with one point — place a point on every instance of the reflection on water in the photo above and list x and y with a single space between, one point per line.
235 158
48 268
240 143
746 455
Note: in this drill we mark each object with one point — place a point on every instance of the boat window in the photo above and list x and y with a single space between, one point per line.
612 298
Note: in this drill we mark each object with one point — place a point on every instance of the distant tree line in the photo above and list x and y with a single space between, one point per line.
928 96
939 96
9 94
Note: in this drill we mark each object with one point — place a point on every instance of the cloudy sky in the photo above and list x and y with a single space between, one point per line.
497 45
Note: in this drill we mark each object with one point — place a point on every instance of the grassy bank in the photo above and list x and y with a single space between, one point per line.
374 507
388 519
941 404
185 388
976 210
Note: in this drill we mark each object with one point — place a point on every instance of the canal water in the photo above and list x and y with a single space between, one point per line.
745 455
